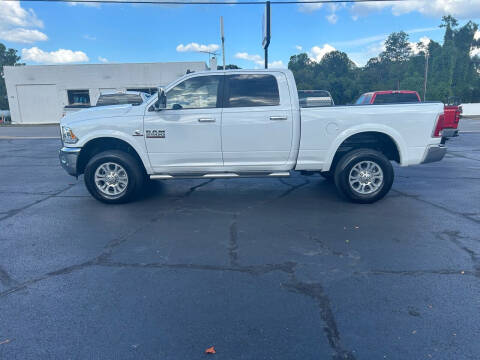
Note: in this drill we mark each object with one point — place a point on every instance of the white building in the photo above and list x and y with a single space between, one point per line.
43 93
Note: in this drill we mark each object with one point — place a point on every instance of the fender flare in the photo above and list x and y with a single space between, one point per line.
119 136
378 128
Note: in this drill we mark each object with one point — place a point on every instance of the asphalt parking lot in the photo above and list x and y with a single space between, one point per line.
258 268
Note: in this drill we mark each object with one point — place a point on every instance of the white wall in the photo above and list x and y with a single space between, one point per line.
471 110
93 77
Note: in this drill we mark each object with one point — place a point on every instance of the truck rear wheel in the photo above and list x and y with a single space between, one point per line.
364 176
113 177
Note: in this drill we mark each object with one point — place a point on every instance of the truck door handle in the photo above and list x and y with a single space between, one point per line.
278 118
206 120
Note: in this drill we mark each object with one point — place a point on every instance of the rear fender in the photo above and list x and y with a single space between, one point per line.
392 133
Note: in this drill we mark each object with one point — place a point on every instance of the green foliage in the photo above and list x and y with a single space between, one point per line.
228 67
451 72
7 57
397 48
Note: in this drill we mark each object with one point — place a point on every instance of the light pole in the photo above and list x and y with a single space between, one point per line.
223 41
426 76
266 31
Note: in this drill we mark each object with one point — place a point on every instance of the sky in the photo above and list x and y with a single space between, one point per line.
62 33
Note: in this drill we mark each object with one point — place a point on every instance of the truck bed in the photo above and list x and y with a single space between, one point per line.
323 129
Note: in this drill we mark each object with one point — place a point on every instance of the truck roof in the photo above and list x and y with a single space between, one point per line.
392 92
233 71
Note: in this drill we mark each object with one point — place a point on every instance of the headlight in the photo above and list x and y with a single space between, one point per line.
68 136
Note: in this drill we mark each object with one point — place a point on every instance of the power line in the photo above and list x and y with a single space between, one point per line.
203 2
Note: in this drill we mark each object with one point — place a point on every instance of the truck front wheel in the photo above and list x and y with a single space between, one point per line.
113 177
364 176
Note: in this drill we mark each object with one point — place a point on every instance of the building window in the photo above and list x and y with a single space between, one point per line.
78 97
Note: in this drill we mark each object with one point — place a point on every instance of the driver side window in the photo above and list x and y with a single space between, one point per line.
195 93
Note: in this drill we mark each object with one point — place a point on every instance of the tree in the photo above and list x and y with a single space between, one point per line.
7 57
397 48
452 70
449 23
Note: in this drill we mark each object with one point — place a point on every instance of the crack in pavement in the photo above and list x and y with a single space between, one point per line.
455 238
14 212
5 278
292 187
194 188
233 244
415 272
255 270
417 197
455 154
316 292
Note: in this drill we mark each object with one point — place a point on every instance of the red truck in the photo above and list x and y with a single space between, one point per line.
450 118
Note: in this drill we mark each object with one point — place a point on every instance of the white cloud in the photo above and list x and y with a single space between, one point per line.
317 53
61 56
257 59
475 51
276 64
89 37
332 18
102 59
299 47
305 7
423 40
18 24
87 4
21 35
375 38
360 58
462 9
197 47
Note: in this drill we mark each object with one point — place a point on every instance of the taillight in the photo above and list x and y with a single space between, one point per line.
457 116
439 127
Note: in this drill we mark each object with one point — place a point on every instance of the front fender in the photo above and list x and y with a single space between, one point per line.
137 143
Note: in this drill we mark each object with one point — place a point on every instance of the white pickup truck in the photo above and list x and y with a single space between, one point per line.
226 124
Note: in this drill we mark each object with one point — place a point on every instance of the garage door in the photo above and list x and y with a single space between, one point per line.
39 104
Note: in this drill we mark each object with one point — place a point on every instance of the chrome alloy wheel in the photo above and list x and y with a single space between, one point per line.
111 179
366 177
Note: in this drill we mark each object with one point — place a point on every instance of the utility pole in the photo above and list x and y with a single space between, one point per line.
426 76
223 41
266 31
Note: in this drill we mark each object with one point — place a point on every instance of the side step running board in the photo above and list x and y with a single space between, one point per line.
219 175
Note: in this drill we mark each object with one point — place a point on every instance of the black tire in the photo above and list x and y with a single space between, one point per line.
327 175
134 171
361 157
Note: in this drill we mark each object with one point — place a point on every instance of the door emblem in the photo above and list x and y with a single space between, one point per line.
159 134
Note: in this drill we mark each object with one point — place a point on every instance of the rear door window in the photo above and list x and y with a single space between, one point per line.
251 90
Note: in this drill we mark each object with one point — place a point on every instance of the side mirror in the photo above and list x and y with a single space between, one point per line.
161 103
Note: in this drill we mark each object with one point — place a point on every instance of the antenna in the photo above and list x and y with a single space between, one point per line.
213 60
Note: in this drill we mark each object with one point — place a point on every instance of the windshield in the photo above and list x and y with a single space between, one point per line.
119 99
